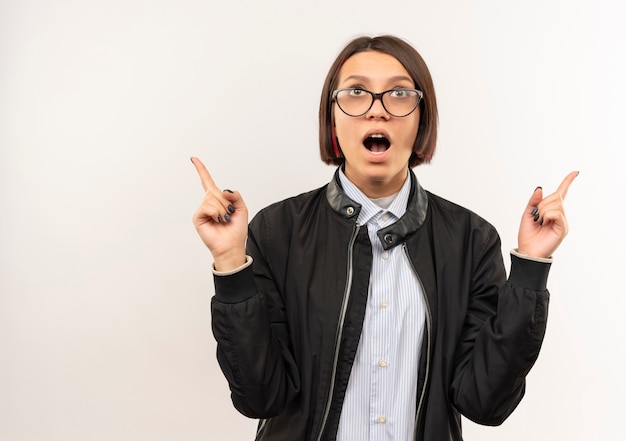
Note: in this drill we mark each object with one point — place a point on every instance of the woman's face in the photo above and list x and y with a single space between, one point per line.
376 145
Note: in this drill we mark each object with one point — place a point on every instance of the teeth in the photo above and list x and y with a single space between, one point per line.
377 135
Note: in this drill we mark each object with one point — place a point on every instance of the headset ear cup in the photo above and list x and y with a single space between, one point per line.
335 144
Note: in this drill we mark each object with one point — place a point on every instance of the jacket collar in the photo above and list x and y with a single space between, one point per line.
395 233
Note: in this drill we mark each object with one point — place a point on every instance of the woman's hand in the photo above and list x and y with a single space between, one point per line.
222 222
544 225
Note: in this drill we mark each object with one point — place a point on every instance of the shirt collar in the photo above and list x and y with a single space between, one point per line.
368 208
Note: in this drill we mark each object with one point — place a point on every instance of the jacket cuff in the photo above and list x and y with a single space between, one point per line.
236 287
529 274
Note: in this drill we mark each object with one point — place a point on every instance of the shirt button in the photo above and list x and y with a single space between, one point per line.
385 255
384 217
381 420
382 362
384 303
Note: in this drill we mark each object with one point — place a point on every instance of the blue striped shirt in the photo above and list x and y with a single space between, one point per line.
381 397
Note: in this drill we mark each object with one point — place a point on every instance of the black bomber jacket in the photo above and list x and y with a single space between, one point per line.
288 325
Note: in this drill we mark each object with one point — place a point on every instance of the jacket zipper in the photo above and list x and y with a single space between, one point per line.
428 333
342 316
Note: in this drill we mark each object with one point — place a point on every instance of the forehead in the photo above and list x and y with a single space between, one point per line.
373 66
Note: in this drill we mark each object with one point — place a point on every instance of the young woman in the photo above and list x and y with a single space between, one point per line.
371 308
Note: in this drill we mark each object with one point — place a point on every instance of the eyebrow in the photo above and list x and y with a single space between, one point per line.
391 80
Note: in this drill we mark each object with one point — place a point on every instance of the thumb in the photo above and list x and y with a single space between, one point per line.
234 197
536 197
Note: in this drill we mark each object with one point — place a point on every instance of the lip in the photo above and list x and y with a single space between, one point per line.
375 132
377 157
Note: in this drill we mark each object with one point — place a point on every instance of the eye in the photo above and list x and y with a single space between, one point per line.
399 93
357 91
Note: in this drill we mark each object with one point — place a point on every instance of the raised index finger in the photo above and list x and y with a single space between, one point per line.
562 190
205 177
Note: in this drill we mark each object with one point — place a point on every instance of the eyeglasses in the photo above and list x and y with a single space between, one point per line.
355 101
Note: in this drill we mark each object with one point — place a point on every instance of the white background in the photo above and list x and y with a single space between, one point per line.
104 285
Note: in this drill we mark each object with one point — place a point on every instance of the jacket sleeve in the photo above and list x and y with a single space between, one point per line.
502 334
253 347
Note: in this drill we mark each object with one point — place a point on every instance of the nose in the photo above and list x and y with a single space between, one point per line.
378 110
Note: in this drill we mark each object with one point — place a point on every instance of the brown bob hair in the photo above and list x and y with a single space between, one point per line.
426 139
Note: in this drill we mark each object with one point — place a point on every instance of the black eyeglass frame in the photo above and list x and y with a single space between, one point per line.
377 96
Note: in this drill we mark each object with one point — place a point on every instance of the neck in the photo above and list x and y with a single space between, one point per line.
378 188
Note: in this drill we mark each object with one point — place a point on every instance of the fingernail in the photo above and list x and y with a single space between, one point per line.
535 210
541 223
219 219
536 218
231 208
227 217
538 188
230 191
191 159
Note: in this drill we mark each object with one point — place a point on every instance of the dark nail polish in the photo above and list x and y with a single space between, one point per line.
541 223
227 217
535 211
230 191
231 208
538 188
191 159
219 219
536 218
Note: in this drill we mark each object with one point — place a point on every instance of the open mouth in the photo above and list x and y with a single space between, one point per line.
376 143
